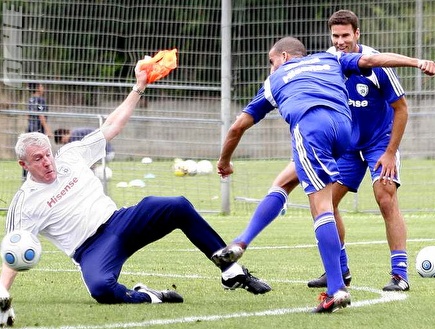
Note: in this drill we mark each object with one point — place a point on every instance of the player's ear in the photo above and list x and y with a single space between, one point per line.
357 33
284 55
22 163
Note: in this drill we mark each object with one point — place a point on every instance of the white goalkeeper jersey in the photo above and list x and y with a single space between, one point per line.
69 210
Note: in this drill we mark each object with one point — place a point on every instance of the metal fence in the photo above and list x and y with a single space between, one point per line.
84 53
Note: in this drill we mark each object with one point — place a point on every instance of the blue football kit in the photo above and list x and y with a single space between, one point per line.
315 110
311 96
372 120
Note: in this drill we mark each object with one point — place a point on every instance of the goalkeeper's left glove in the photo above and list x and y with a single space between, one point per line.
7 314
159 66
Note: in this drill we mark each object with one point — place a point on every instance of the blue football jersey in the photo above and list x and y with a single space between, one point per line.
369 101
304 83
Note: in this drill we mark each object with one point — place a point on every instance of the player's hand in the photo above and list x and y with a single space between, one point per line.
141 76
427 67
389 170
7 314
159 66
224 169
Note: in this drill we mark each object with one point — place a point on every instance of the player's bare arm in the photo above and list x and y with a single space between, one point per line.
116 121
388 159
7 277
396 60
243 122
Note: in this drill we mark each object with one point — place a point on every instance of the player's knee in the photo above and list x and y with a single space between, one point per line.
184 213
180 203
102 291
386 202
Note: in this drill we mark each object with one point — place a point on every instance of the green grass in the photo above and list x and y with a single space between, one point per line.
53 295
251 180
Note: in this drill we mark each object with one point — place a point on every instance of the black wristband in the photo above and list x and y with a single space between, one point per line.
140 92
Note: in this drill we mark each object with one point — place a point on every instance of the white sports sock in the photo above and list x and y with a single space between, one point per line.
154 298
232 271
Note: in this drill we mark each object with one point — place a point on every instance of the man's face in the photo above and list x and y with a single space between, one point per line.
39 162
344 38
40 89
64 139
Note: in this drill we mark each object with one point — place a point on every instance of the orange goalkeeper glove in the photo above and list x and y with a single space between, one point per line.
160 65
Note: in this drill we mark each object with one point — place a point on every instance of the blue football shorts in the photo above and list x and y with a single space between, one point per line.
318 140
353 165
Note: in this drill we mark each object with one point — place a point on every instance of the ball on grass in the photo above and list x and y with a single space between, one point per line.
425 262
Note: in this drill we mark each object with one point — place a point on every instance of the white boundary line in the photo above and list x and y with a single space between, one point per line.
384 297
301 246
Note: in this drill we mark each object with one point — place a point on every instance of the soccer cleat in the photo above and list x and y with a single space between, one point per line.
229 254
321 282
246 281
397 283
164 296
329 304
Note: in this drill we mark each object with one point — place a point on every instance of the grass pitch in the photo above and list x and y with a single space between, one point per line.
53 296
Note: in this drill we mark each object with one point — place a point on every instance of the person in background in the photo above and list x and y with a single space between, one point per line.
38 121
37 104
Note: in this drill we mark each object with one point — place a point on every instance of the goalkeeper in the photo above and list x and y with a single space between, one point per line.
63 201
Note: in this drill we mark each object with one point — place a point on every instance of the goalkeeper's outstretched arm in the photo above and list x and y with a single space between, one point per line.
117 120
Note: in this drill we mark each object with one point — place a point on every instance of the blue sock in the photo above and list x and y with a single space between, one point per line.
267 210
399 263
329 246
343 259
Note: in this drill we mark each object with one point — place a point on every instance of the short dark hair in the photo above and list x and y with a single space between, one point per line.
344 17
33 86
290 45
59 133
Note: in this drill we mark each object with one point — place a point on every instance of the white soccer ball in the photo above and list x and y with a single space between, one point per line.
425 262
179 168
20 250
204 167
103 174
190 167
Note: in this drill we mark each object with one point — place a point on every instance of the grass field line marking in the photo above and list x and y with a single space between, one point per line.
347 244
385 297
301 246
